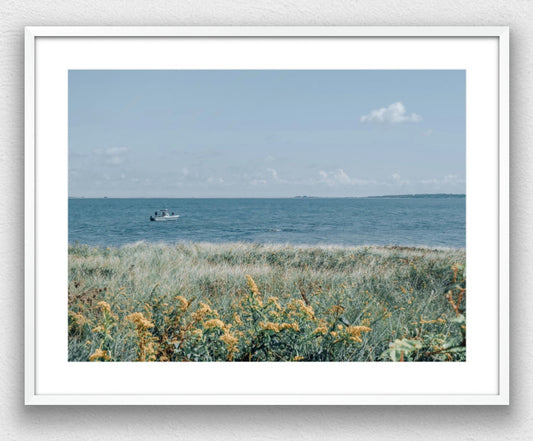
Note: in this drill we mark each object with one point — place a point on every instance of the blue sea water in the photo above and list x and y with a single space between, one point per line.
412 221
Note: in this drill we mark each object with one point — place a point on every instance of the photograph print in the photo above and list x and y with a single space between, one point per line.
266 215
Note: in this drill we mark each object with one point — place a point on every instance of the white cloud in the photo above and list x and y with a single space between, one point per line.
395 113
112 151
452 179
275 175
340 177
399 180
448 179
112 155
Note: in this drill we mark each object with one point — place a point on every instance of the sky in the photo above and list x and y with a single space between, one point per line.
266 133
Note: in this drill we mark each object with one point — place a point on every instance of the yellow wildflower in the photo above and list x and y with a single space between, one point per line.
140 320
237 319
78 317
214 323
252 285
104 305
202 311
306 309
197 333
99 353
358 329
298 358
275 301
269 326
229 339
321 330
204 308
336 309
355 332
184 303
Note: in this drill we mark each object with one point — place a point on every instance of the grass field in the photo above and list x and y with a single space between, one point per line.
249 302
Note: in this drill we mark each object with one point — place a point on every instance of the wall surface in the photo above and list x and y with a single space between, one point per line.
227 423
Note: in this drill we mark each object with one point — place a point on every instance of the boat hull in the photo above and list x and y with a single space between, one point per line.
164 218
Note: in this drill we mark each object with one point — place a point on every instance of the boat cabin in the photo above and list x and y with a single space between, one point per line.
163 214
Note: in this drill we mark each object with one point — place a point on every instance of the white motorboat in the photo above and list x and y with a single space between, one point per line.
164 215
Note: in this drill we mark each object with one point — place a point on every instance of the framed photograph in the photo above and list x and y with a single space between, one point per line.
267 215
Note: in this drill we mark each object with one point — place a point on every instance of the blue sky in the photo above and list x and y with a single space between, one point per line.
265 133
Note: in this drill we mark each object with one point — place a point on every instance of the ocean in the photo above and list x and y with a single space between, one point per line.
437 221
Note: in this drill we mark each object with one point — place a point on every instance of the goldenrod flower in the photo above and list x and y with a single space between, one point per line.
197 333
269 326
204 307
184 303
321 330
355 332
214 323
78 317
140 320
237 319
336 309
293 326
306 309
275 301
99 353
229 339
202 311
104 306
252 285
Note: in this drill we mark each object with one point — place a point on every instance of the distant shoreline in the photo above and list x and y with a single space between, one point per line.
401 196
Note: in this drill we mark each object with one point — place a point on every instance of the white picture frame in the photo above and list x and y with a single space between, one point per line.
51 51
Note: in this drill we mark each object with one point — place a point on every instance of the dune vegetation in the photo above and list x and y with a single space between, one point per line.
252 302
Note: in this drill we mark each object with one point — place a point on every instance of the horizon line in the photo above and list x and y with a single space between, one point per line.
269 197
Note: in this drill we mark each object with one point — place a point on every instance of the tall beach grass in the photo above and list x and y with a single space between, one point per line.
253 302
